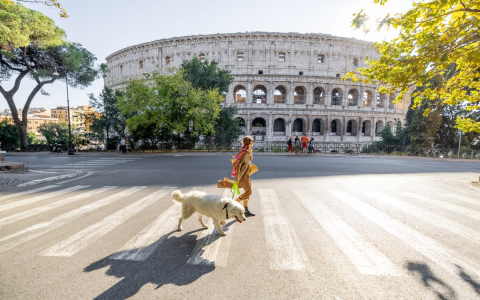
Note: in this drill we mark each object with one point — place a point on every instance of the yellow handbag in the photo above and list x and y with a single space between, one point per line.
253 168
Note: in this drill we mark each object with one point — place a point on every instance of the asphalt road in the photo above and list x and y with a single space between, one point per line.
327 227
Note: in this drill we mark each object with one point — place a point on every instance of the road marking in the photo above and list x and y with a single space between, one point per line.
434 219
44 227
82 239
81 177
284 249
16 195
207 250
41 197
464 199
38 210
366 257
448 206
42 172
141 246
434 251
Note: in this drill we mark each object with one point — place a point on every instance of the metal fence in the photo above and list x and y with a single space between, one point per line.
426 152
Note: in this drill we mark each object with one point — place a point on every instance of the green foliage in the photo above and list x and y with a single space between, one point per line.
21 27
8 134
56 132
433 36
206 75
169 103
227 129
32 138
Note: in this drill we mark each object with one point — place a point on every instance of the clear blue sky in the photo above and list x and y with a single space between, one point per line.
104 27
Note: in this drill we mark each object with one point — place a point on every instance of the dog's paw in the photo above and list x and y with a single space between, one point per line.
223 234
180 228
223 222
206 227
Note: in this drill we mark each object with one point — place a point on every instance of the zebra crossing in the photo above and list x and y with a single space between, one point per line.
97 163
283 242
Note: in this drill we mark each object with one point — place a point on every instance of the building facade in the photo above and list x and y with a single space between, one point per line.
285 84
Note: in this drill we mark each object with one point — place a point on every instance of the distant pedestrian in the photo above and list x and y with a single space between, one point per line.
297 145
311 146
304 147
290 145
123 146
304 139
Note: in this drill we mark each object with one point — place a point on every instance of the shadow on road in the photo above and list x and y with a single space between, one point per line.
468 279
166 265
441 289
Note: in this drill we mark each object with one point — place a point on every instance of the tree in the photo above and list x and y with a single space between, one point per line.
111 124
23 27
55 132
54 3
206 75
169 102
70 60
8 134
227 128
434 35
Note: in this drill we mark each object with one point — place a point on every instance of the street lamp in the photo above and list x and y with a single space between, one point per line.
70 145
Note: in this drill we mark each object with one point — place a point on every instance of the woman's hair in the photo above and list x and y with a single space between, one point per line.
247 140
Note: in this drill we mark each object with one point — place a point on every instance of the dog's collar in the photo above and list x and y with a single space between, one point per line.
226 210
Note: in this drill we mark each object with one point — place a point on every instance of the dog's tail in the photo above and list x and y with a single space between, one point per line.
177 196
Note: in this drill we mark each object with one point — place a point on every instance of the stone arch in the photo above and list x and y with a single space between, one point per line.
240 94
297 128
299 95
392 126
280 94
351 127
318 96
259 126
355 61
367 128
379 127
259 94
279 126
336 127
353 97
241 124
391 99
381 97
318 127
337 96
367 98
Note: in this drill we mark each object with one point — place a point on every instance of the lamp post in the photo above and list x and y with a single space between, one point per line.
70 145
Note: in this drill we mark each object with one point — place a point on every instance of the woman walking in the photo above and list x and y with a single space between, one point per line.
290 145
304 147
241 170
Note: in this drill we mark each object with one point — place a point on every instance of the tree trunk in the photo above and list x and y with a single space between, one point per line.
22 132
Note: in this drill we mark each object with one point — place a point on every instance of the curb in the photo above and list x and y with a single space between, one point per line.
55 178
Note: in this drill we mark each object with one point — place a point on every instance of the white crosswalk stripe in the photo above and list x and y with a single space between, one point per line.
40 198
38 210
97 163
448 206
366 257
286 252
16 195
77 242
464 199
39 229
434 219
434 251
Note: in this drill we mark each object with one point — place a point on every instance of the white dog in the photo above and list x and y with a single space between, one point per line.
212 206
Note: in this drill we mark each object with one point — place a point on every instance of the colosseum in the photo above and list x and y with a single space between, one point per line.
285 84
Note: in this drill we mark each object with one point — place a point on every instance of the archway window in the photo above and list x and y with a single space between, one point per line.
281 56
280 95
279 127
239 56
380 100
317 127
240 94
321 58
201 57
299 95
349 127
333 128
353 97
378 128
259 94
336 97
140 64
391 99
167 60
298 127
366 128
318 96
259 126
121 69
241 124
355 62
367 99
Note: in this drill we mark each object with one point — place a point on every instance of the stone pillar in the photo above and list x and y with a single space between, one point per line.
359 128
328 94
270 93
230 95
270 127
374 100
248 120
290 91
345 96
309 125
374 125
327 127
344 127
249 93
360 97
309 94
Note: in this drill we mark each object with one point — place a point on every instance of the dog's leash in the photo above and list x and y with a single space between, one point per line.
235 189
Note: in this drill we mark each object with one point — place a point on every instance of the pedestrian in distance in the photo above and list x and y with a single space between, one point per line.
304 147
298 146
311 146
290 145
123 146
